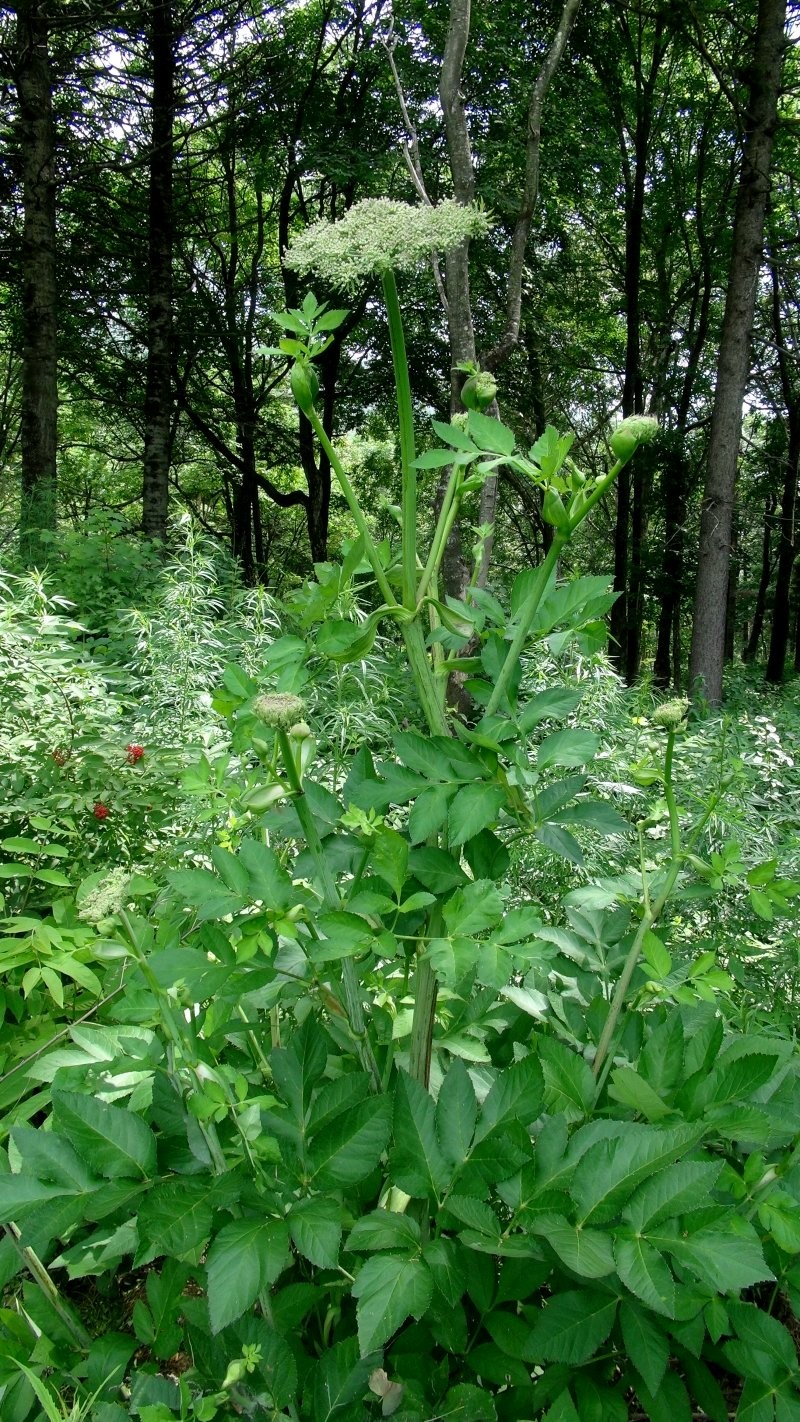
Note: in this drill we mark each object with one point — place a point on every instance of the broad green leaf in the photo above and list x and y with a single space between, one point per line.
474 908
424 754
205 893
587 1252
231 870
269 881
176 1216
560 841
780 1216
456 1113
315 1226
567 748
339 1378
429 812
568 1081
738 1080
416 1161
517 1094
467 1403
606 1177
474 807
444 1259
297 1068
113 1141
245 1257
645 1345
571 1327
631 1089
763 1334
676 1190
452 958
594 814
728 1260
389 1290
384 1229
757 1403
475 1214
671 1402
646 1273
554 704
48 1157
334 1097
20 1194
348 1149
489 434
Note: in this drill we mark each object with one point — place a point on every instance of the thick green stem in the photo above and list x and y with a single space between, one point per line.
447 517
40 1274
405 427
425 990
424 680
355 508
526 616
351 989
652 913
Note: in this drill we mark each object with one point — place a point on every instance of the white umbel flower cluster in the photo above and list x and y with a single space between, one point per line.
379 233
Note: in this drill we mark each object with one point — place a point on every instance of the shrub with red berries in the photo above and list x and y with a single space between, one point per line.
100 811
134 753
60 756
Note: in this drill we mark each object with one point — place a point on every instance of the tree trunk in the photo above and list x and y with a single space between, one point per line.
158 385
787 533
708 633
750 649
674 495
39 393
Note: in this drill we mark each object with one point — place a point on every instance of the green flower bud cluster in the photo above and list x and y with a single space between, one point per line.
281 710
105 898
380 233
671 716
635 430
478 392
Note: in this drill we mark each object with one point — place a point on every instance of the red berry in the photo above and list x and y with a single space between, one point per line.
100 811
60 756
135 752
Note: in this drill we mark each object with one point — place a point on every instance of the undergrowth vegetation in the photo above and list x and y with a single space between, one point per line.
358 1060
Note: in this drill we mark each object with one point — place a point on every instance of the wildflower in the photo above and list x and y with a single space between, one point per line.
379 233
104 898
135 752
281 710
100 811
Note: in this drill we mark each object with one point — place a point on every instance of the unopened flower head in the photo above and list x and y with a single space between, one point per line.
630 433
379 233
281 710
672 714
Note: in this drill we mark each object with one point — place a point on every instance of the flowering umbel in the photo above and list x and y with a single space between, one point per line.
281 710
671 715
379 233
134 753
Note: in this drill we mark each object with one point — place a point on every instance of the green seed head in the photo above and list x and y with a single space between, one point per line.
281 710
378 234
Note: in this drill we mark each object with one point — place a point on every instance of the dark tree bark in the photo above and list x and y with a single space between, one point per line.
39 393
634 134
708 633
158 402
787 532
750 650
